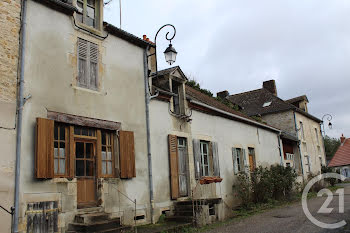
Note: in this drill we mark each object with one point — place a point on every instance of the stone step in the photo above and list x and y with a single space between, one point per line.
90 210
177 218
122 229
97 226
183 207
91 217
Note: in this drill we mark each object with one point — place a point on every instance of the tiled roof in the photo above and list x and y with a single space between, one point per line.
170 70
342 156
253 102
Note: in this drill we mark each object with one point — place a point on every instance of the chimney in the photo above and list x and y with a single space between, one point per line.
342 139
144 37
270 86
222 94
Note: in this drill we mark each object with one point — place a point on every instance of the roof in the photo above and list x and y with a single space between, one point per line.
253 102
66 7
170 70
298 99
342 156
194 94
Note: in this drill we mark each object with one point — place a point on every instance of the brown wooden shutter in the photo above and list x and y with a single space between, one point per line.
44 148
127 154
174 166
71 154
98 154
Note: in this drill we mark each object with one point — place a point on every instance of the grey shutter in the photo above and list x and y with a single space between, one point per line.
234 157
309 162
82 62
216 163
93 66
197 158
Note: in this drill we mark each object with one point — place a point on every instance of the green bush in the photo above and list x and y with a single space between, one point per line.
265 184
331 181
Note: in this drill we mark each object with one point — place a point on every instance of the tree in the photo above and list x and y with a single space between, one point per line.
331 145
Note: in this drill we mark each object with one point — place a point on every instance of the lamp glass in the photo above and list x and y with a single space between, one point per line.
170 54
330 125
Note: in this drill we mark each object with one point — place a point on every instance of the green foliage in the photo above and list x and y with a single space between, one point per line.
331 145
265 184
195 85
331 181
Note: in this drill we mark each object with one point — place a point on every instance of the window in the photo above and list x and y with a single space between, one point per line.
60 149
107 152
307 163
206 158
302 130
238 160
204 146
88 55
266 104
252 163
88 12
316 136
178 97
65 150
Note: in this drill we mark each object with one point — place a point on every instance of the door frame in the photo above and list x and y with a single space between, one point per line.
92 140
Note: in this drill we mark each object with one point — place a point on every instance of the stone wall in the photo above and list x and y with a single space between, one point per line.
10 11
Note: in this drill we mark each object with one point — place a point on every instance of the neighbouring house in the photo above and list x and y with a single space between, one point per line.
9 48
84 149
341 158
196 139
302 140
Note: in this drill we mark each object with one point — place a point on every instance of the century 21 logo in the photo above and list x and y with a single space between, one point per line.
324 208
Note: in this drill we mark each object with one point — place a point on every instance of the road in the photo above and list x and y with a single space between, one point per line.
292 218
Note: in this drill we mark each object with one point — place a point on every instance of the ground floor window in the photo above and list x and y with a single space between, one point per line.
238 159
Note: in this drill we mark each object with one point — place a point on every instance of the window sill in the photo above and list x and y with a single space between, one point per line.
88 29
63 180
88 90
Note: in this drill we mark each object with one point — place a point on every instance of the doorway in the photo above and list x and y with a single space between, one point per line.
85 172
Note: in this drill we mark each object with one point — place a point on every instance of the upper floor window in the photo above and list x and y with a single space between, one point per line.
316 135
302 130
178 102
87 64
205 158
88 12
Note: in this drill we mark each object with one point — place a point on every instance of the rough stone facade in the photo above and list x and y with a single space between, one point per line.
10 11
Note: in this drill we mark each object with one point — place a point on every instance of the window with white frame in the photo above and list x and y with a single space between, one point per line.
204 149
88 54
238 160
88 12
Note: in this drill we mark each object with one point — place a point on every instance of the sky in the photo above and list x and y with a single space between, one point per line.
235 45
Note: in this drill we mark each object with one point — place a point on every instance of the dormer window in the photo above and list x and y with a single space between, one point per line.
178 97
266 104
88 12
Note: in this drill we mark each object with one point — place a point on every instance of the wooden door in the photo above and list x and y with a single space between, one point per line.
182 158
85 171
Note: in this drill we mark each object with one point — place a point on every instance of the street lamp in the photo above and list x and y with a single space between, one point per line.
170 52
329 118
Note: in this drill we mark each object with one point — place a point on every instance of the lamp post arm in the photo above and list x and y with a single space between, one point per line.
329 118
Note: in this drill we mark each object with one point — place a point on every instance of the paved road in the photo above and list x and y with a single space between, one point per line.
292 219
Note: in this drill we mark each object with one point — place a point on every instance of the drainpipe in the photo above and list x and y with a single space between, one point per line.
20 105
301 156
279 146
149 156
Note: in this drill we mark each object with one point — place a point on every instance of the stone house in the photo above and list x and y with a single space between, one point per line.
84 150
302 140
195 137
341 158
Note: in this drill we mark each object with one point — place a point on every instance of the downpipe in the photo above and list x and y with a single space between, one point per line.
20 105
149 156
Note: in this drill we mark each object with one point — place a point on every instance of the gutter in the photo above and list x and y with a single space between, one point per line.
20 103
149 155
235 116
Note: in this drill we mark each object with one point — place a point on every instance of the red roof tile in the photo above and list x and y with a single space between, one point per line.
342 156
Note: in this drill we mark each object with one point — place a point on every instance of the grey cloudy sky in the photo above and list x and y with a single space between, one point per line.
235 45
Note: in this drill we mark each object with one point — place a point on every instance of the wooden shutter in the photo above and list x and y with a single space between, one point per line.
82 62
93 66
174 166
216 164
127 154
234 158
44 167
98 154
197 158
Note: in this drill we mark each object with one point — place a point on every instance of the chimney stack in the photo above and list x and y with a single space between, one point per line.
342 139
222 94
270 86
